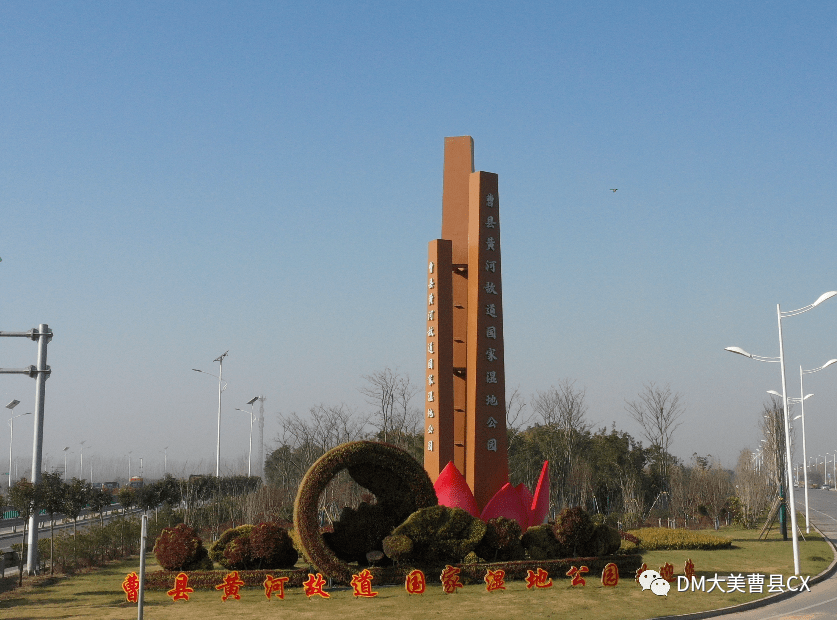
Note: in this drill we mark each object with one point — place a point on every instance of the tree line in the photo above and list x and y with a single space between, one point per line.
604 471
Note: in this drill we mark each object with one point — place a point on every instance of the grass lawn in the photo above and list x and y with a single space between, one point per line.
99 595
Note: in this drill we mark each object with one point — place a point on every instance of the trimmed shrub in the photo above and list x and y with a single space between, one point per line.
398 547
237 555
440 534
399 482
653 538
179 548
604 541
573 531
540 543
254 547
272 547
501 542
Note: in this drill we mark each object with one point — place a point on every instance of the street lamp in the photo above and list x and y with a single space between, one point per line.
220 360
804 456
834 470
11 406
81 459
802 415
250 453
781 360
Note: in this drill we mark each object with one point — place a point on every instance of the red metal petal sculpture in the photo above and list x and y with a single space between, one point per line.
453 491
540 503
510 502
526 503
506 503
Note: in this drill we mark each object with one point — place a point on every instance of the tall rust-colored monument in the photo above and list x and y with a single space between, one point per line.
465 390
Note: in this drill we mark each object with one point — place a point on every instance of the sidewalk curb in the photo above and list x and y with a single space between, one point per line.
762 602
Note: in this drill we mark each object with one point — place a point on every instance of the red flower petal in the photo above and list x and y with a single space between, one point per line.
525 504
540 503
453 491
506 503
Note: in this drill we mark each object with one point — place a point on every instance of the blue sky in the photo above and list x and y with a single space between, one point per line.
181 179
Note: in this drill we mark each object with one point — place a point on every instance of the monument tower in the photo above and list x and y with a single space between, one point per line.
465 404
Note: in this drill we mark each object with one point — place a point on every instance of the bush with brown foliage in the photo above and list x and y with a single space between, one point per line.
180 548
272 547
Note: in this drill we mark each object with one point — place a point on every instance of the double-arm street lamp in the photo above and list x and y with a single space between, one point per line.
250 453
802 415
220 360
801 401
781 359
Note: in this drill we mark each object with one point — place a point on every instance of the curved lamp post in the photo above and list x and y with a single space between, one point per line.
220 360
802 415
801 401
781 359
250 413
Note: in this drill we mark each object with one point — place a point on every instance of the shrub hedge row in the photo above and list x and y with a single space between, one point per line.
653 538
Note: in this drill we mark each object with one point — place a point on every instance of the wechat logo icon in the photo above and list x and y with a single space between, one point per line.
651 580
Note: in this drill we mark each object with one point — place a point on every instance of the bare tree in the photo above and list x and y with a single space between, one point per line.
515 408
716 489
683 491
751 488
772 426
657 411
390 393
562 411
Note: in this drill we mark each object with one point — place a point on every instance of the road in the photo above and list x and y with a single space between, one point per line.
11 530
821 601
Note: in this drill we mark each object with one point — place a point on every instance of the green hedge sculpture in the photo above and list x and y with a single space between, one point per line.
437 534
399 483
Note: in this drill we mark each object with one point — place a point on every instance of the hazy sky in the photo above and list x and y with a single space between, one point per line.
179 179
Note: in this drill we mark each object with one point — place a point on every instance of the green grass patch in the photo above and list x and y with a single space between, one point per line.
98 594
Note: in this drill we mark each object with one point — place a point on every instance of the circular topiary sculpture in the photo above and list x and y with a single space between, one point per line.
180 548
398 481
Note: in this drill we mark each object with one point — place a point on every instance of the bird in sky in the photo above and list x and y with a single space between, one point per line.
613 190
